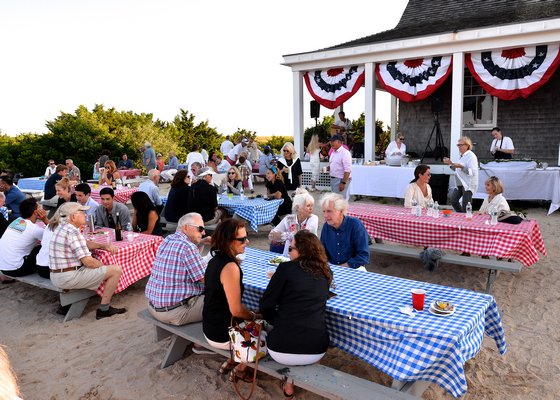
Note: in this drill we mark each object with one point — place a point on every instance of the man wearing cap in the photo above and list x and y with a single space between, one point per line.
106 215
226 146
150 187
340 166
236 151
148 156
205 197
175 289
71 263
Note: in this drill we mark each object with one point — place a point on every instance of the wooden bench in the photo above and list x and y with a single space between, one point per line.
316 378
493 265
76 298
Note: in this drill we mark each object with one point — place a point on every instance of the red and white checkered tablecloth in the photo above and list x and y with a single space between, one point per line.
130 173
121 195
521 242
135 258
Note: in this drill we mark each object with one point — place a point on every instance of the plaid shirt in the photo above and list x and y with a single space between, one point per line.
176 273
68 246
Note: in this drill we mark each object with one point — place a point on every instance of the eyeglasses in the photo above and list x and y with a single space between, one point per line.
286 151
199 228
461 144
231 173
402 139
241 239
290 249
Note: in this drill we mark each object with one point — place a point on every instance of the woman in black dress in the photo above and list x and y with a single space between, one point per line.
275 189
233 181
178 199
290 166
295 303
145 218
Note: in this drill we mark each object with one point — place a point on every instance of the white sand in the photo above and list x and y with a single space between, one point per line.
116 358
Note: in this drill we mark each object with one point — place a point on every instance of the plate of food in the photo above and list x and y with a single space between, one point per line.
276 261
442 308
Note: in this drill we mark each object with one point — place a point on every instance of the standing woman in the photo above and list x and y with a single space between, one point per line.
314 150
110 174
419 188
275 189
64 192
223 281
145 218
233 181
295 303
290 166
179 197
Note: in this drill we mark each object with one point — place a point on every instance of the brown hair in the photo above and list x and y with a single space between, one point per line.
225 233
112 165
420 170
312 255
179 178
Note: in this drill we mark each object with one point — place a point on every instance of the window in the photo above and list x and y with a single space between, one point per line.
479 107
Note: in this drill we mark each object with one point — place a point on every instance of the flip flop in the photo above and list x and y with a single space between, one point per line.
283 383
227 366
237 375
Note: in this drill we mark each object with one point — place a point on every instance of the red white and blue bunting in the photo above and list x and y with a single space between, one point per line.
512 73
414 80
334 86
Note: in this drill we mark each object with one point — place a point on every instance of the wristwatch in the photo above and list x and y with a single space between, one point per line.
344 183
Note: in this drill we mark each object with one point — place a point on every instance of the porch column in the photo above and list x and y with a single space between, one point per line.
457 104
369 123
393 117
298 111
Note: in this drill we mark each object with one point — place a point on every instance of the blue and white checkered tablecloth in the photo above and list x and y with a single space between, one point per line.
32 183
364 320
257 211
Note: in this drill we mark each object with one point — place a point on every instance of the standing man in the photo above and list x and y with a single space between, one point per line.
194 156
14 196
71 263
151 187
345 238
106 215
502 146
124 163
60 172
148 156
74 174
175 289
226 146
340 166
343 125
466 175
83 195
236 151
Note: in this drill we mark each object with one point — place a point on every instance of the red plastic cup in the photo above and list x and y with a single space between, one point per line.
418 296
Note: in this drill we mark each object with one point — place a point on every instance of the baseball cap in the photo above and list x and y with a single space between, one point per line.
245 141
336 137
71 208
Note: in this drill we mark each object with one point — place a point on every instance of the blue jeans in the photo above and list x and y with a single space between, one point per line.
335 182
457 193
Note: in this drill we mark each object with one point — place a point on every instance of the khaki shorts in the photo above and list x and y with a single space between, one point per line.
84 278
186 314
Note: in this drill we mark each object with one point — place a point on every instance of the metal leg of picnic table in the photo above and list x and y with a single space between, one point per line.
416 388
492 274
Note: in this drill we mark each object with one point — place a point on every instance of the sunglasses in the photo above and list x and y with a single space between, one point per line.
286 151
199 228
461 144
290 249
241 239
402 139
231 173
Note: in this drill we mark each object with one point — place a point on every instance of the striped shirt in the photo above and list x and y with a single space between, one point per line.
68 246
176 272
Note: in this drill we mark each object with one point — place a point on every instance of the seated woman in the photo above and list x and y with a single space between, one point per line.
419 189
295 303
303 216
145 218
179 197
495 199
223 283
233 181
160 163
96 171
64 192
275 189
110 174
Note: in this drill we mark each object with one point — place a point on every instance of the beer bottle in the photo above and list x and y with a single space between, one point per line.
118 228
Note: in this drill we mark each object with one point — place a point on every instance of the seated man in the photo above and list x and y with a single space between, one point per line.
106 215
19 242
205 197
71 263
151 187
14 196
4 215
175 289
124 163
222 165
74 174
83 195
173 166
345 238
60 172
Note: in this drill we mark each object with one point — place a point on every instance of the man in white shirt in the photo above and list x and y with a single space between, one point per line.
226 146
51 169
19 242
466 175
222 165
502 146
234 153
343 125
150 187
83 195
194 156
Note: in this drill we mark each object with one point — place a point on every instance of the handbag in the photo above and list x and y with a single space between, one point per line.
510 217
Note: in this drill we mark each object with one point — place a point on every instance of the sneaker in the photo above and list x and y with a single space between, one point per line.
201 350
99 314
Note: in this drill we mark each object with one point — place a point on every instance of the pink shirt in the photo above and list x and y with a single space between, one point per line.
340 161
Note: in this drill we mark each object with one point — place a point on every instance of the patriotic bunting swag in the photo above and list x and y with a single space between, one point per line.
414 80
509 74
334 86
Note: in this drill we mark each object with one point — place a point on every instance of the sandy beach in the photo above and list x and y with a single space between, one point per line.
116 358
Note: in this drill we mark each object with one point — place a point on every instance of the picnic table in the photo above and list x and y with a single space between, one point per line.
364 320
521 242
121 195
257 211
130 173
135 256
35 183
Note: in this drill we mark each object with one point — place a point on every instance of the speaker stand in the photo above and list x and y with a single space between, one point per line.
439 149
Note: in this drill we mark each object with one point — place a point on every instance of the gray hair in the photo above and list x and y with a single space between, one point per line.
56 218
338 201
301 199
153 173
196 164
187 219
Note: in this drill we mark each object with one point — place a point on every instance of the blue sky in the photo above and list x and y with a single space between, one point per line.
218 59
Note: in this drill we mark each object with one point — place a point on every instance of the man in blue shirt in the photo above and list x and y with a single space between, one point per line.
148 156
345 238
13 195
125 162
150 187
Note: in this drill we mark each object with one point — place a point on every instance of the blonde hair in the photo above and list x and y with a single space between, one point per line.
313 143
467 140
291 148
237 173
64 183
496 184
111 165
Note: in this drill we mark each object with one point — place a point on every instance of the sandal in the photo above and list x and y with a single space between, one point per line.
241 375
283 383
227 366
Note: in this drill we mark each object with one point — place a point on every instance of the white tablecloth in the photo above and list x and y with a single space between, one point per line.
380 180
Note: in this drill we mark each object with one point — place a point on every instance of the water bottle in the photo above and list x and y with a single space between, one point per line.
242 193
430 208
435 212
418 210
129 233
413 204
493 216
469 210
